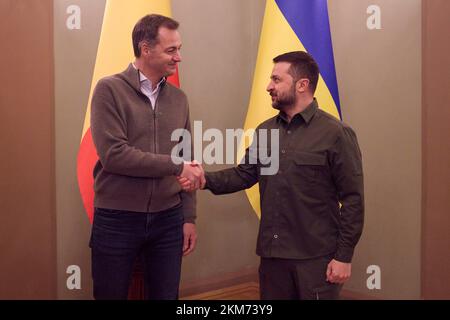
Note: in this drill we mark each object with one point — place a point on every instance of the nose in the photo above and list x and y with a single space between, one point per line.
177 56
269 86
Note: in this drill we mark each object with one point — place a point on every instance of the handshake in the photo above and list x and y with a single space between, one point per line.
192 177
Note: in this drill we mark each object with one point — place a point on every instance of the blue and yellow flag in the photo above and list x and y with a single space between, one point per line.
291 26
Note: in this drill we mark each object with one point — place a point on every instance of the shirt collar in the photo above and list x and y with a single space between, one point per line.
306 114
143 79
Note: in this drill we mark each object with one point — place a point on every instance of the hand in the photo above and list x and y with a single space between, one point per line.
338 272
187 185
189 238
194 174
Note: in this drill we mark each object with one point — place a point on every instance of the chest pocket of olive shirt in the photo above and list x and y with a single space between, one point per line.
308 168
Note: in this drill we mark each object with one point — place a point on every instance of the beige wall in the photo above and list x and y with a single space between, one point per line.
220 43
379 77
27 190
75 52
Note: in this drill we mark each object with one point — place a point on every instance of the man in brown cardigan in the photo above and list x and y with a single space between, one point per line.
139 206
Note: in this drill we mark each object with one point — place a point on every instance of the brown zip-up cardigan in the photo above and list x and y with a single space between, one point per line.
135 171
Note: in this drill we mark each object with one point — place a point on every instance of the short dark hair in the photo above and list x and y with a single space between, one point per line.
146 29
303 65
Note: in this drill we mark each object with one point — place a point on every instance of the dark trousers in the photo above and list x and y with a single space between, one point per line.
119 237
289 279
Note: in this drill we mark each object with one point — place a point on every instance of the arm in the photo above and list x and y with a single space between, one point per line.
188 199
109 133
234 179
244 176
346 167
224 181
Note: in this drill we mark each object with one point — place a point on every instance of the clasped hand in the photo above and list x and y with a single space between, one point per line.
192 177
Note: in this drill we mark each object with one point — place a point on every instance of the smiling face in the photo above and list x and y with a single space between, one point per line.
162 58
281 86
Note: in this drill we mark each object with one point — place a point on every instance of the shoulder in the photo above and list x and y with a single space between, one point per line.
267 124
328 120
109 82
337 131
175 92
333 124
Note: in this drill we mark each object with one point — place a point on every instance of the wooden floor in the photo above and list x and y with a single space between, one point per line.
244 291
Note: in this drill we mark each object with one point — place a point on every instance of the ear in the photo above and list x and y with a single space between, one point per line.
145 48
302 85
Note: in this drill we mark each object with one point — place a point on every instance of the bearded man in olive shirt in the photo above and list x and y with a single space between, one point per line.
312 209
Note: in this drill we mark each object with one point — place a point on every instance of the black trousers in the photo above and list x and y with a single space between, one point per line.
290 279
118 237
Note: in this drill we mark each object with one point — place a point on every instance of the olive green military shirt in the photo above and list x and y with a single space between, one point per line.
314 204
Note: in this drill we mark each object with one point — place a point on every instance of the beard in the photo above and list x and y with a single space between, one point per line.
284 99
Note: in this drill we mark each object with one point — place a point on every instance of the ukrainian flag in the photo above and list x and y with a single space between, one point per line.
291 25
115 52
